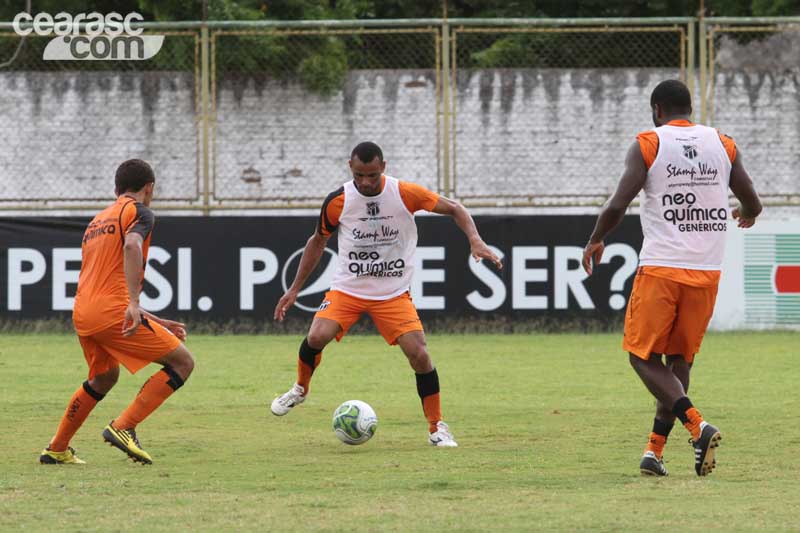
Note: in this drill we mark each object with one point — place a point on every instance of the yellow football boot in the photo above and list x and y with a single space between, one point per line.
125 440
67 457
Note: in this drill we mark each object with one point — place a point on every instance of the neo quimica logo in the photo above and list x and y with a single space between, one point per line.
104 37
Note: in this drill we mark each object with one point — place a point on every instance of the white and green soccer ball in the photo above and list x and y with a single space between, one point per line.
354 422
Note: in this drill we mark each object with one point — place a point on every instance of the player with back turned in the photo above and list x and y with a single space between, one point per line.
685 171
377 237
112 328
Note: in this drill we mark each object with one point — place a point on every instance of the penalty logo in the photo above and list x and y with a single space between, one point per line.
104 37
318 283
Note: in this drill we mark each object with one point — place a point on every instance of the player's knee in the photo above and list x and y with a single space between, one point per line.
103 383
418 354
188 365
677 362
183 366
317 340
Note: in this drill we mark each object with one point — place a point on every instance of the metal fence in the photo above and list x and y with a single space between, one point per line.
752 92
534 105
330 89
64 126
240 115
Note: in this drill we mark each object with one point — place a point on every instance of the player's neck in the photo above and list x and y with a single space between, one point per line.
673 118
137 196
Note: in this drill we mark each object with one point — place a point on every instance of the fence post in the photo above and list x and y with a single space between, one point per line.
204 114
690 51
446 107
703 70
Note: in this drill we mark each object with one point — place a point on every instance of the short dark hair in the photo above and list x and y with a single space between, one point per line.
132 175
366 152
673 97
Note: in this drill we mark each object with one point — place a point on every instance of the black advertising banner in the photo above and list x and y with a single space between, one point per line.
222 268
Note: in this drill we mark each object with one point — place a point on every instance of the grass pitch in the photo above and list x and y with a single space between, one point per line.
550 427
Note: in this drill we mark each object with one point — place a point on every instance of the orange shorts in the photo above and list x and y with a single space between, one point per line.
667 317
106 349
394 317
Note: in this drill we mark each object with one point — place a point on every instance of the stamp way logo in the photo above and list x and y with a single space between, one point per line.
105 37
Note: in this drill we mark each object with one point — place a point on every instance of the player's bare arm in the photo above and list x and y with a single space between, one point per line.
133 276
742 187
312 253
632 181
463 220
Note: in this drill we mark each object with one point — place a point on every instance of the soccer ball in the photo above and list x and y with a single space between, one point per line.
354 422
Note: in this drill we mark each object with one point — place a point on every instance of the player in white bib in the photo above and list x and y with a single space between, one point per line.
374 216
684 171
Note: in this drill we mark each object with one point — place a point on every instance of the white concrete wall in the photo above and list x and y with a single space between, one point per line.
521 131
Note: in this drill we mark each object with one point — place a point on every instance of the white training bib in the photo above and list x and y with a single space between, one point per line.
377 241
684 207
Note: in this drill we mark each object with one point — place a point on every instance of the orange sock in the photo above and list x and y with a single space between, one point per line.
689 416
656 444
658 437
158 388
78 408
304 371
428 390
431 406
694 421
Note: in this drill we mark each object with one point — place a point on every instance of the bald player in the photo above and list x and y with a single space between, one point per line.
374 217
112 329
684 170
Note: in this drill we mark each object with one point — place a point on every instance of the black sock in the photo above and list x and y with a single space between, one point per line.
681 406
427 384
661 428
308 355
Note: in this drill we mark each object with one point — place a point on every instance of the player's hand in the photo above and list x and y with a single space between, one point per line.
178 331
284 304
744 222
133 317
177 328
479 251
592 254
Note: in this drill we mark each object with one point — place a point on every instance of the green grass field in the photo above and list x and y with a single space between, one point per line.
550 427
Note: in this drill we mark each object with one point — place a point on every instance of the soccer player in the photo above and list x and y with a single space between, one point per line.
112 328
374 214
685 170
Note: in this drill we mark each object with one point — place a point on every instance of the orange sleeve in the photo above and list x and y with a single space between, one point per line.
127 216
417 198
330 212
729 144
648 143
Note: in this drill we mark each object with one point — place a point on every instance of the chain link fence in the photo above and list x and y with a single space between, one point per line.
263 115
544 115
753 94
289 105
66 125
